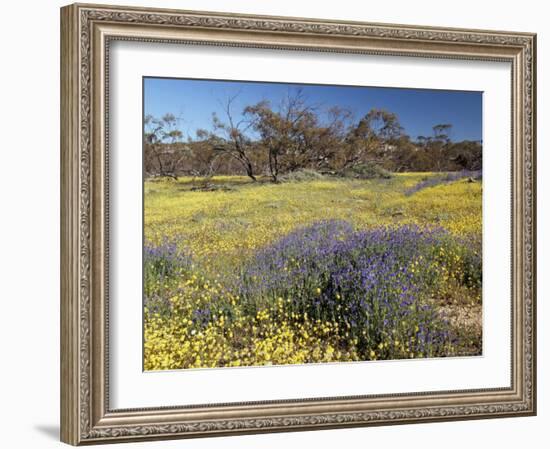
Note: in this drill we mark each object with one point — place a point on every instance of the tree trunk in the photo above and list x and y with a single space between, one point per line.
249 171
273 166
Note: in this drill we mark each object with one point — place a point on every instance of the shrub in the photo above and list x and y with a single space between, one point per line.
301 175
366 171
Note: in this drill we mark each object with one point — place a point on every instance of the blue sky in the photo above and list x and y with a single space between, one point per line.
418 109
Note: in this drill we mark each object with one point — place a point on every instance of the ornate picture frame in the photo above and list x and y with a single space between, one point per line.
87 32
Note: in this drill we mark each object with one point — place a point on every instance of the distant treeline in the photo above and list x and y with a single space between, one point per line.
273 141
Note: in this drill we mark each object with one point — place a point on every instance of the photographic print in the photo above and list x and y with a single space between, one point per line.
293 223
288 202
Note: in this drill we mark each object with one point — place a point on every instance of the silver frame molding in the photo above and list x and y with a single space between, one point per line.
86 33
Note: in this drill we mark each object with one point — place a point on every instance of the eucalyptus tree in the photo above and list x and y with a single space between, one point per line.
164 146
230 136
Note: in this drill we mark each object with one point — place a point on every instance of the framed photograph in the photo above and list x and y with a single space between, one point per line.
279 224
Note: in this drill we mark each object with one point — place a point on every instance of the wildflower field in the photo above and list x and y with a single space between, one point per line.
323 269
